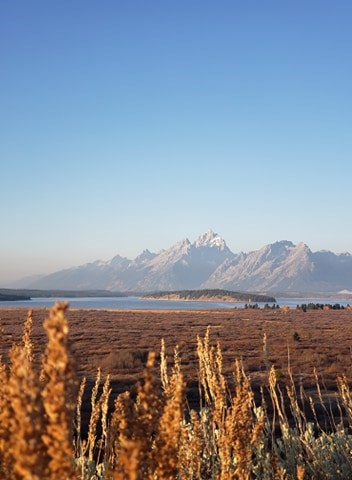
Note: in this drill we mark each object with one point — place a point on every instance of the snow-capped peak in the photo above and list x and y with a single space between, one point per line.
210 239
145 256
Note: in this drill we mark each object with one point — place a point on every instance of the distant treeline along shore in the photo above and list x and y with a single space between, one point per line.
11 295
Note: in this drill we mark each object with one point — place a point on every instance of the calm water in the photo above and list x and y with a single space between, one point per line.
138 303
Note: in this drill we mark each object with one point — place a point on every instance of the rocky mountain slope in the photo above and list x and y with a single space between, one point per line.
209 263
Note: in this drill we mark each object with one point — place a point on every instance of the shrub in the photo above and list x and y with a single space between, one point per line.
296 337
124 360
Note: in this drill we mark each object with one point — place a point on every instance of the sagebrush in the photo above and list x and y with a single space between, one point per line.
152 434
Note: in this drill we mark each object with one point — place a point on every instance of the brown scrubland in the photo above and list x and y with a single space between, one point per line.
196 394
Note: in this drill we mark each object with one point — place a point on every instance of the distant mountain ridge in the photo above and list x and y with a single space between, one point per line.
209 263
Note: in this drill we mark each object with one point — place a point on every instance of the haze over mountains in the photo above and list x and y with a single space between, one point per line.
209 263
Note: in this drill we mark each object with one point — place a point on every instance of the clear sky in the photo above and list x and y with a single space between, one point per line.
132 124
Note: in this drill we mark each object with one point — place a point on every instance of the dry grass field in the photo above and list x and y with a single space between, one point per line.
118 341
232 396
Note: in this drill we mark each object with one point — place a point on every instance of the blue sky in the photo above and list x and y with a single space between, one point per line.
127 125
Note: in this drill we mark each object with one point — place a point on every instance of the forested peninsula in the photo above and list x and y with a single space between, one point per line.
207 295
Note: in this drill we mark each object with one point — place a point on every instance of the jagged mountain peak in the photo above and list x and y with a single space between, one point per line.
280 245
118 260
144 256
284 243
174 253
185 241
281 249
273 250
142 259
182 245
302 246
210 239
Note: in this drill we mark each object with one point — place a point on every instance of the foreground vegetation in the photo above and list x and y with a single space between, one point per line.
152 434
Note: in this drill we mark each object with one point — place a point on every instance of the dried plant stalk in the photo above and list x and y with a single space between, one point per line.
163 367
28 453
168 436
27 337
192 445
120 428
5 415
78 421
58 394
94 417
134 447
104 408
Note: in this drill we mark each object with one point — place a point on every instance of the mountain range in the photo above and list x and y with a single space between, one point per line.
209 263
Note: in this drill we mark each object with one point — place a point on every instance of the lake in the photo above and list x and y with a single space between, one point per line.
138 303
